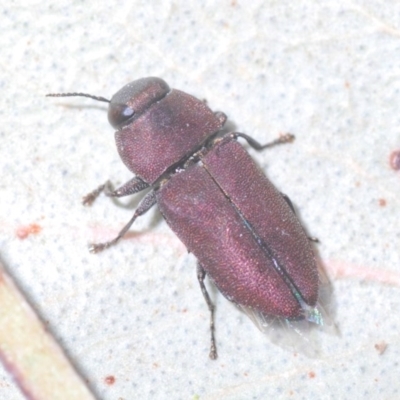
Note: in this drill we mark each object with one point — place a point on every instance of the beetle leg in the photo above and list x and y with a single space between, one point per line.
201 274
221 116
285 138
148 201
135 185
287 199
92 196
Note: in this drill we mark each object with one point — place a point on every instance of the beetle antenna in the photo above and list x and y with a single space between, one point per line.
98 98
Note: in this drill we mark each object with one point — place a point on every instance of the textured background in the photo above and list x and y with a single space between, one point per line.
326 71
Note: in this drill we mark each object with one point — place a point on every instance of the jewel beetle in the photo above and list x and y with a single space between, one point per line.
242 230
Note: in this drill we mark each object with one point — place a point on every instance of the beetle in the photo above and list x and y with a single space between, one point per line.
242 230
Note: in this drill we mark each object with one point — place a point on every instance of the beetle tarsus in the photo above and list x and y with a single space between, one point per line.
97 247
201 274
92 196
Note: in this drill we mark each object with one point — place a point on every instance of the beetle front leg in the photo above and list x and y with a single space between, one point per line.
92 196
135 185
201 274
148 201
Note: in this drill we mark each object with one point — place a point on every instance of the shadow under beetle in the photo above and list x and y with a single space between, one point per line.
242 230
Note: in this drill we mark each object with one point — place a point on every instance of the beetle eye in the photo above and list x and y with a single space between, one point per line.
127 112
119 115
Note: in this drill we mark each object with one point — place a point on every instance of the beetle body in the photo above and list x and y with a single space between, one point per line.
241 229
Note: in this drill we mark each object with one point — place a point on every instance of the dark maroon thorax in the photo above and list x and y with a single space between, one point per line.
164 133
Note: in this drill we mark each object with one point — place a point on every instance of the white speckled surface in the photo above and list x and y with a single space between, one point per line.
329 73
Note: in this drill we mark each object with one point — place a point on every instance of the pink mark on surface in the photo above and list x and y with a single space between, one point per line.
109 380
100 234
394 160
311 375
382 202
381 347
339 270
22 232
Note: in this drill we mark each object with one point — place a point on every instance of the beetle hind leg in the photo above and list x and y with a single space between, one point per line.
287 199
201 274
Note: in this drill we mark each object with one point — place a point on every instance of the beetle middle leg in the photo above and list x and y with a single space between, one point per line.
201 274
148 201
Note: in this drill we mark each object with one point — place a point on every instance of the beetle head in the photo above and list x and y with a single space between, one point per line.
135 98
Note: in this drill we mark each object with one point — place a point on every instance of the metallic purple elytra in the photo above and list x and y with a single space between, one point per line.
242 230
